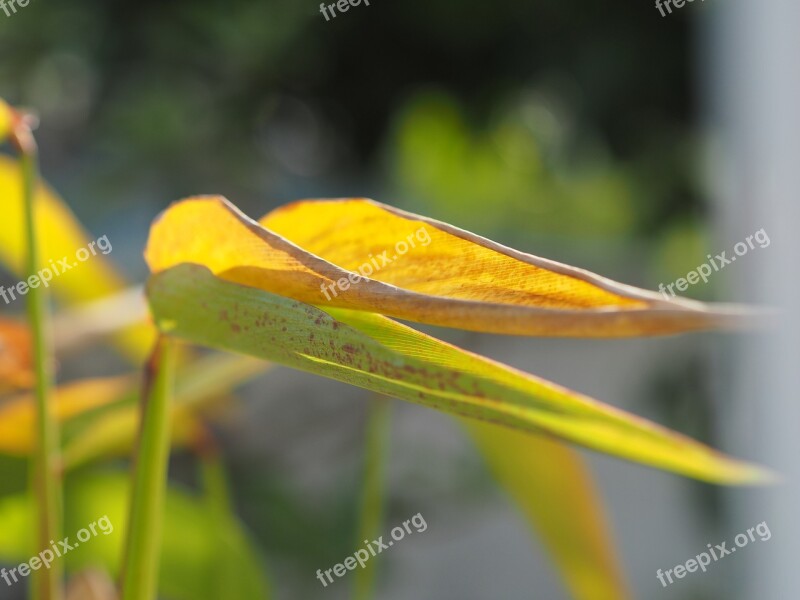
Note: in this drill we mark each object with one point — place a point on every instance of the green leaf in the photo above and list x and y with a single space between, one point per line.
189 557
376 353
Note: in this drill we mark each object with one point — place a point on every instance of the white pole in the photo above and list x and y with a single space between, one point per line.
755 84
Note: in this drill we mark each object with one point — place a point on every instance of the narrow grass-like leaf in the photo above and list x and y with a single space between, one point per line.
379 354
45 478
112 432
371 509
227 580
550 484
145 522
61 237
99 417
17 415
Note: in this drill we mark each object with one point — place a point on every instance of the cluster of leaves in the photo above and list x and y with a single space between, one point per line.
254 289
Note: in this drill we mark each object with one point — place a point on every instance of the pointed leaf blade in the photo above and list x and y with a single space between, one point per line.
362 255
376 353
554 490
61 237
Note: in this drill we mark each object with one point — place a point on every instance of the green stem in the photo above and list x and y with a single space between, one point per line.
372 495
215 483
140 570
46 478
221 523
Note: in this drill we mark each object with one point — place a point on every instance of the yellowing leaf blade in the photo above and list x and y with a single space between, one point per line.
17 415
61 237
198 384
410 267
376 353
553 489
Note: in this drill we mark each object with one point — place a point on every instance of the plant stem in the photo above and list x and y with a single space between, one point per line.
140 570
220 521
215 480
372 495
46 476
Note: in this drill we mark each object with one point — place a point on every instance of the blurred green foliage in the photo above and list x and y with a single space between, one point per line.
195 565
551 107
513 174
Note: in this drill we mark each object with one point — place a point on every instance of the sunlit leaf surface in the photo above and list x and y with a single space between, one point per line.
100 417
379 354
416 269
204 381
16 362
5 120
61 236
17 415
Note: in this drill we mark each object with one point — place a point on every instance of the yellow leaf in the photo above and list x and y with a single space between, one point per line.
111 432
61 236
6 120
114 434
16 361
413 268
555 492
17 415
198 384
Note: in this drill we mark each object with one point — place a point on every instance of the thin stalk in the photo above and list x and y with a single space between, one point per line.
372 494
142 553
223 526
220 525
45 476
215 480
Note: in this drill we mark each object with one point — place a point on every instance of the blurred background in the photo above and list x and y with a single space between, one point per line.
593 134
